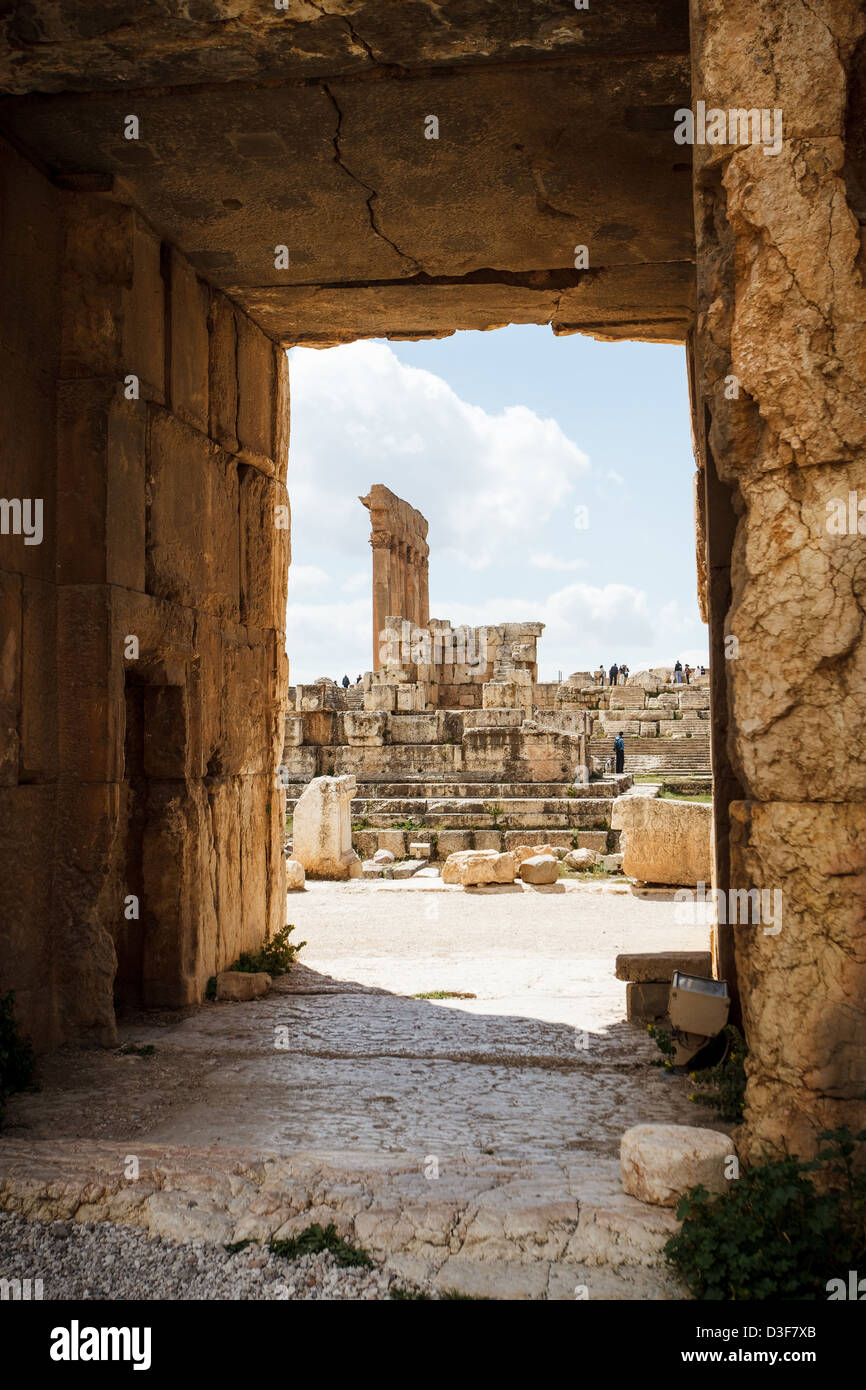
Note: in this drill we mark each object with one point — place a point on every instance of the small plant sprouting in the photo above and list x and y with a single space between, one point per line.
315 1239
276 957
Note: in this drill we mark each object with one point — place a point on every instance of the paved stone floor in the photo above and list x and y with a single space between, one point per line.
495 1119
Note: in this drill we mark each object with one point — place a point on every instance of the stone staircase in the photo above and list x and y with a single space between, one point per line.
685 755
453 815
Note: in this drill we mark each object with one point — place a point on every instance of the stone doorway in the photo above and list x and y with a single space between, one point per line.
281 187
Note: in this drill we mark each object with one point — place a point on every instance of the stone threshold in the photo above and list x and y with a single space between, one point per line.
485 1226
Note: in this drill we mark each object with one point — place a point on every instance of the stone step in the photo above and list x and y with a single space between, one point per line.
487 791
449 841
462 814
528 820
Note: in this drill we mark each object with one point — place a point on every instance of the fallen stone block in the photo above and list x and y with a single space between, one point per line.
476 866
384 856
659 1163
540 868
295 875
581 859
406 868
612 863
522 852
647 1002
238 986
420 849
659 966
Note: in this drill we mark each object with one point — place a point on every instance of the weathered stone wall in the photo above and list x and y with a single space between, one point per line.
161 580
30 246
781 310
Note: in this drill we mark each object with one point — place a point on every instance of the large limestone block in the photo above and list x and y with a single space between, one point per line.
659 966
322 829
237 986
664 841
522 852
661 1162
581 859
476 866
365 728
540 868
627 697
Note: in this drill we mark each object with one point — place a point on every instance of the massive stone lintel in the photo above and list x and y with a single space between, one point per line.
400 564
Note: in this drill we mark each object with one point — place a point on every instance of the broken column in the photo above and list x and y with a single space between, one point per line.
400 565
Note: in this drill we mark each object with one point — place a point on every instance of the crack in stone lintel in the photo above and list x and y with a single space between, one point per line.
372 194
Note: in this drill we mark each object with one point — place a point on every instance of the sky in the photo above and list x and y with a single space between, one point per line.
555 474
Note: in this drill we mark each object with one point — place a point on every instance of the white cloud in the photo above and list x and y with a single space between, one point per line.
306 577
547 561
328 639
357 582
484 481
585 624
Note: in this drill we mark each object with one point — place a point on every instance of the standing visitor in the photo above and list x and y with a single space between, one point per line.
619 751
614 672
687 672
678 672
345 682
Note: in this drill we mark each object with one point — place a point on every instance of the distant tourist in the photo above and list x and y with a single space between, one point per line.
614 672
623 670
358 681
599 675
346 682
619 751
678 673
687 672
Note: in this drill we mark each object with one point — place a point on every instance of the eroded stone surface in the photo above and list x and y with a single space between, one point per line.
664 841
322 829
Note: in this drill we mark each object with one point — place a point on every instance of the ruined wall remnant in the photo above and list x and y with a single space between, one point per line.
401 585
781 310
143 639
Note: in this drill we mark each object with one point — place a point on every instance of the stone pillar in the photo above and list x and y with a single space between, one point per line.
780 385
381 543
423 591
400 551
411 585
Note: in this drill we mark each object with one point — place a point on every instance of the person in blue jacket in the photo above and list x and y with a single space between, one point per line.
619 750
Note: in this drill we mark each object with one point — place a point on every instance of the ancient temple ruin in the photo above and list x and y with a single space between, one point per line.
400 568
185 197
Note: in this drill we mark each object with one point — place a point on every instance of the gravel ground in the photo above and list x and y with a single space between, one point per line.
106 1261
